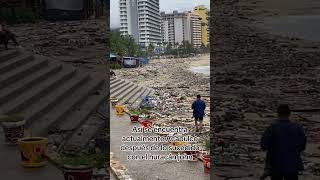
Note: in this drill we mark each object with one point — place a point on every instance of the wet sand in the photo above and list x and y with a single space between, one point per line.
201 65
203 60
291 7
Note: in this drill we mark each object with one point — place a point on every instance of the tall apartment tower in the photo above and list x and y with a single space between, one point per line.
195 29
141 20
167 28
203 12
173 27
178 27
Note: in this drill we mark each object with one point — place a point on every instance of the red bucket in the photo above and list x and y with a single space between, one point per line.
146 123
194 155
206 163
134 118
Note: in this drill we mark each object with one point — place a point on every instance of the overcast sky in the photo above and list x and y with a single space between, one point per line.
165 5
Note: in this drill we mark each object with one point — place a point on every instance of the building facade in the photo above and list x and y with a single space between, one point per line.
178 27
203 12
167 28
141 20
174 28
195 24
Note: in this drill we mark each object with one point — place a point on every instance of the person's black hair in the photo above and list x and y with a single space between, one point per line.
198 96
283 110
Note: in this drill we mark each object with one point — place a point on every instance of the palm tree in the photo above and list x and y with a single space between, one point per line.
169 47
150 49
165 44
176 44
159 46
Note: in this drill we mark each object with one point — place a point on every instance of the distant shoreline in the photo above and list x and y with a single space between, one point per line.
201 61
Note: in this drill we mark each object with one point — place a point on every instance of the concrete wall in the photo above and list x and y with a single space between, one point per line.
188 29
178 30
132 15
166 31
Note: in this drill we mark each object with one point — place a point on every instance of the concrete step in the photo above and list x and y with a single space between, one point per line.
81 137
127 91
121 90
118 87
116 84
113 80
21 72
54 97
59 112
37 92
151 91
136 96
8 54
15 62
81 113
60 133
78 117
131 95
24 84
51 95
139 101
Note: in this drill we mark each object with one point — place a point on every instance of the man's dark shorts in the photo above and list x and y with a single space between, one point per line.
200 119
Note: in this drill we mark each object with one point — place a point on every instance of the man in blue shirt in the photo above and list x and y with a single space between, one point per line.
198 107
284 141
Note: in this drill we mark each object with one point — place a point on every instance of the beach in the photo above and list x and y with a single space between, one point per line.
176 87
201 66
264 55
81 43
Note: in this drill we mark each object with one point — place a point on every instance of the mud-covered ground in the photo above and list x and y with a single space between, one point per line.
253 72
81 43
176 87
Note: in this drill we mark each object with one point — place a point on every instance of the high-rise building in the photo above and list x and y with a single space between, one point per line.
203 12
195 24
141 20
178 27
167 28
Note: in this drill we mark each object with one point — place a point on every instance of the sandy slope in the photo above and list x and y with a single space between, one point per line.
255 70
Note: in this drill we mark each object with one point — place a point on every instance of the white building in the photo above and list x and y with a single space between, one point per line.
173 27
178 27
167 28
195 23
141 19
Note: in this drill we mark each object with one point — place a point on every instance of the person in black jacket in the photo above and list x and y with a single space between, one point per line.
284 141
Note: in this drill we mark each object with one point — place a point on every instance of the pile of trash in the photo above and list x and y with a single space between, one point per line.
175 88
76 42
254 73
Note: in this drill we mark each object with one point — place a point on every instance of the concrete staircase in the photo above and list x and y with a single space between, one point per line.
128 93
53 97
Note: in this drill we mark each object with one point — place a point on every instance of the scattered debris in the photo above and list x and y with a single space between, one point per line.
254 71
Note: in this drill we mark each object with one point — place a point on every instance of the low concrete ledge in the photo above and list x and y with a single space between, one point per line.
118 169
